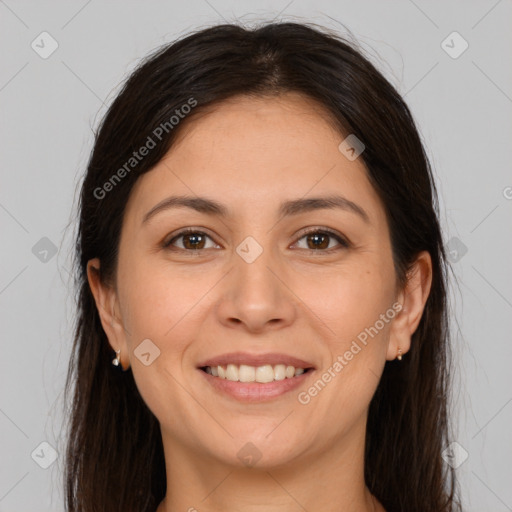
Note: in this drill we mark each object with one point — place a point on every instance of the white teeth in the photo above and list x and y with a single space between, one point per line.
232 372
265 373
279 372
262 374
247 373
290 372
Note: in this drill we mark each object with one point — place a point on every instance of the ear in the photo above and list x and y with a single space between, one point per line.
106 302
412 298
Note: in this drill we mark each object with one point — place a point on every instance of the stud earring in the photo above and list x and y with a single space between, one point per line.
117 360
399 355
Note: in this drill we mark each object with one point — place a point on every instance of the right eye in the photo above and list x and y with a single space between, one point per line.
192 240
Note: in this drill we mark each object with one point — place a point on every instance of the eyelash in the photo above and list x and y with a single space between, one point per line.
344 244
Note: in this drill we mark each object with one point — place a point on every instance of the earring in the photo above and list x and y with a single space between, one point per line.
399 356
117 360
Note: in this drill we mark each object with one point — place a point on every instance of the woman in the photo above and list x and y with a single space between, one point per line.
259 251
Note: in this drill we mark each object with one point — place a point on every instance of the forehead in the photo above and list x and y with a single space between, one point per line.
258 151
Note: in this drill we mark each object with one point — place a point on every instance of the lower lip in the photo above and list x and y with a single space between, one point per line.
256 391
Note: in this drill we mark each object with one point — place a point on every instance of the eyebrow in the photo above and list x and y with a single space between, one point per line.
288 208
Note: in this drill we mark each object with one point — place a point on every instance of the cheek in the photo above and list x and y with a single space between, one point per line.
357 306
157 300
162 306
347 300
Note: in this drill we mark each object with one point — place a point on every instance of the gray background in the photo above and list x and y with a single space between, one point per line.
49 106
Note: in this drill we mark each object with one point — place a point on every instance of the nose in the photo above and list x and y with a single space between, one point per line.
255 296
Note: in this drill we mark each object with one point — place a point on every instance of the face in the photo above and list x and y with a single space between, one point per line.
269 276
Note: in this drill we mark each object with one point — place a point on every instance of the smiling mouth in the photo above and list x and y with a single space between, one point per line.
260 374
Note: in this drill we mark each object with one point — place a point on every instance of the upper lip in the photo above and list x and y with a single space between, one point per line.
239 358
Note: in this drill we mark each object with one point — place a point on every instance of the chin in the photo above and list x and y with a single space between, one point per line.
260 450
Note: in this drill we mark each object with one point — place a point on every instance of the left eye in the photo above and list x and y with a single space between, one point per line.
316 240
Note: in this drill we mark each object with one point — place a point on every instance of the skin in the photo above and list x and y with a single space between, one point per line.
251 155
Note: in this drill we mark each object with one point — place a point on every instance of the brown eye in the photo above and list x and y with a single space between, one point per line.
318 241
190 241
194 241
322 241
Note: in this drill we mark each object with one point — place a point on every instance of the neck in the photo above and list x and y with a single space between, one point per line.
328 478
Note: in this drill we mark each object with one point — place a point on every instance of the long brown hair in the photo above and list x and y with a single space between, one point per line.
114 458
